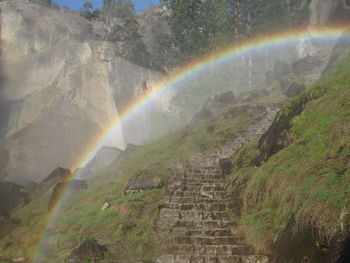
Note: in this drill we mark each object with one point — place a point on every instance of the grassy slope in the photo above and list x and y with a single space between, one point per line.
308 182
302 182
82 216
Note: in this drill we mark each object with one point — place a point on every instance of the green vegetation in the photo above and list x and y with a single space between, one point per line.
89 12
129 224
307 183
199 27
127 31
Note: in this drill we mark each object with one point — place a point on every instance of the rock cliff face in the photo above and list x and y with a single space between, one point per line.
61 85
335 12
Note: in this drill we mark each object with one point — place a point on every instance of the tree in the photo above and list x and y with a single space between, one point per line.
44 2
185 25
88 11
127 31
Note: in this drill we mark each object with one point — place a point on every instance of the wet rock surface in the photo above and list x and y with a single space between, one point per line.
143 181
294 89
276 137
88 251
63 183
104 157
12 196
58 175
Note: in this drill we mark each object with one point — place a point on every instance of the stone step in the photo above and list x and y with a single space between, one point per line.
166 223
203 232
190 183
216 249
202 171
198 200
196 181
205 240
182 231
201 194
200 207
200 176
194 258
194 215
202 187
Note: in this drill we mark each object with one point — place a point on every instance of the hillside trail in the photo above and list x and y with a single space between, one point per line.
198 215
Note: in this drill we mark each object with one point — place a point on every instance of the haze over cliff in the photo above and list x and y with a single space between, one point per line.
64 80
61 85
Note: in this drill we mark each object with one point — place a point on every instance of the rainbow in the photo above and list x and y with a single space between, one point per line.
179 76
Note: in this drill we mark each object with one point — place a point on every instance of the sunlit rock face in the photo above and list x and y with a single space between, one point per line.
62 86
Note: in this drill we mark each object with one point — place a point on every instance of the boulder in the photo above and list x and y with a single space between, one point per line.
126 227
105 206
76 185
104 157
62 181
294 89
306 64
63 187
227 98
143 181
276 137
226 166
280 70
12 196
6 228
254 95
58 175
214 106
88 251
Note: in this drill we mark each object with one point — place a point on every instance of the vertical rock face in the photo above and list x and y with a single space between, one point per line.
325 12
61 87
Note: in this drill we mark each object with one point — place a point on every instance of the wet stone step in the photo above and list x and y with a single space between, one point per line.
216 249
189 183
199 200
202 193
199 177
203 187
201 232
200 207
212 259
201 240
197 181
203 172
207 224
193 215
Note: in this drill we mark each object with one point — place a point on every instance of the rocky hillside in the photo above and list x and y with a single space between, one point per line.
61 85
262 191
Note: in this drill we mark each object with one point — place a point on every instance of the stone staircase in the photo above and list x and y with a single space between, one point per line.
198 216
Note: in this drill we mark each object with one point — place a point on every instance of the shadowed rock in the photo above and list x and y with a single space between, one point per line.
226 166
12 196
88 251
276 137
64 183
57 175
104 157
143 181
280 70
294 89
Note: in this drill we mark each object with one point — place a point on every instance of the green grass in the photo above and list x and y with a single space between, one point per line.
81 216
310 179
